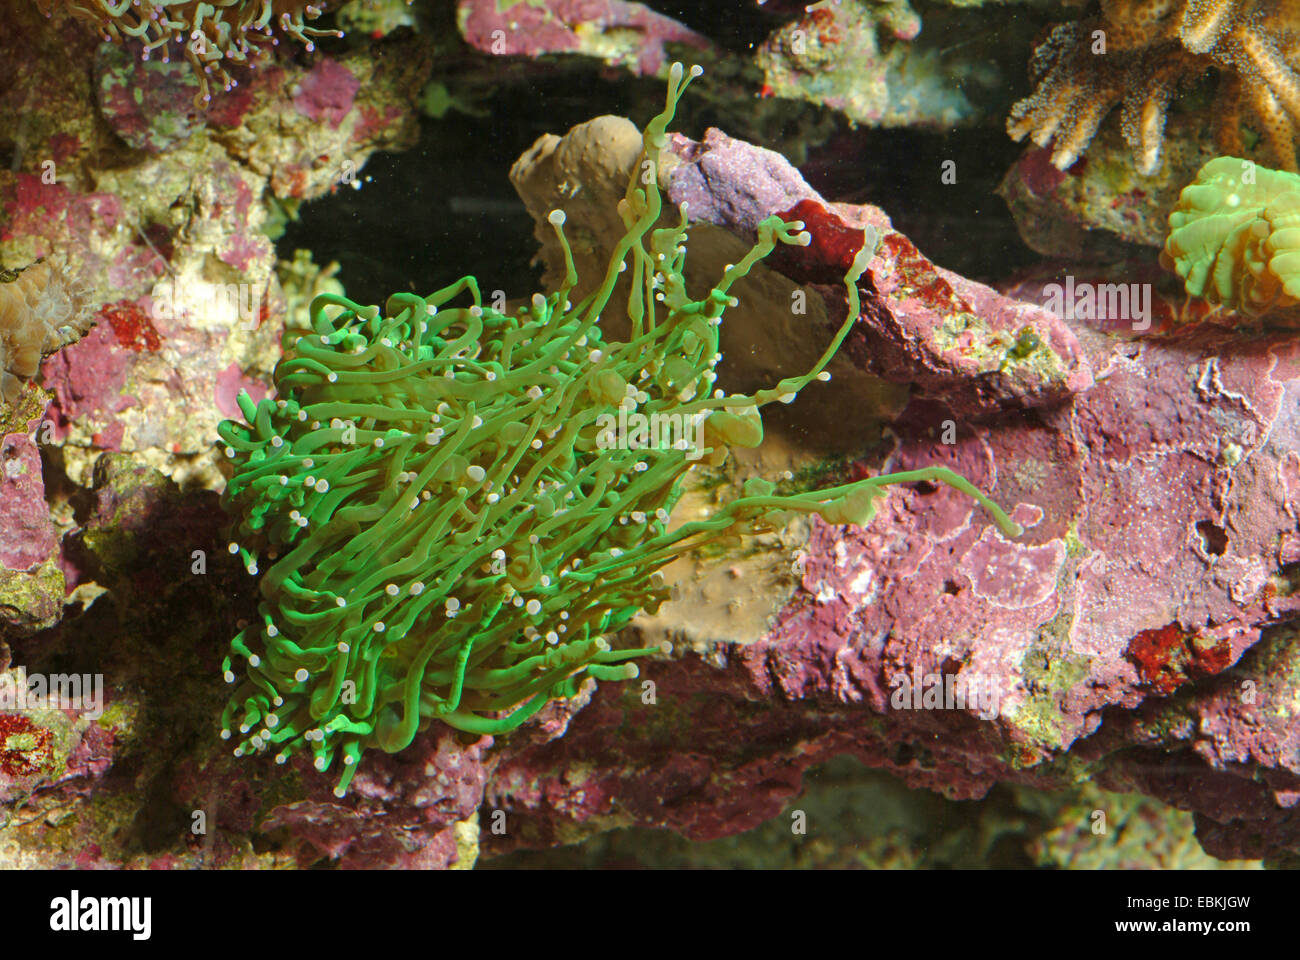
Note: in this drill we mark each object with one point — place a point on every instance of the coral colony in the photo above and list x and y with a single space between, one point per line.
1140 54
448 533
38 315
213 34
1234 237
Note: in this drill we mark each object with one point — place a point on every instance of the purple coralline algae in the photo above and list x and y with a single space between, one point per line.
1160 520
616 31
31 583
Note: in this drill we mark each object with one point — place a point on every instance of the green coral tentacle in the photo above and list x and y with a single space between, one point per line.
450 523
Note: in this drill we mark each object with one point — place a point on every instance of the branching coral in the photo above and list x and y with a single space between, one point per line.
213 34
38 315
1140 53
1234 237
451 520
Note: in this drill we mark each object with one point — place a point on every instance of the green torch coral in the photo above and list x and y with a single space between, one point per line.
450 524
212 35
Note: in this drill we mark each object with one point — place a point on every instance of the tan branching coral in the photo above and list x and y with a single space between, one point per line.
1138 54
38 315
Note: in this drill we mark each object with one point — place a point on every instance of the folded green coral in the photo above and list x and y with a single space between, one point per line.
450 527
1234 237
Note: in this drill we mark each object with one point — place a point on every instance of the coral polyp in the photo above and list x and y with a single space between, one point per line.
212 35
1141 54
39 313
450 525
1234 237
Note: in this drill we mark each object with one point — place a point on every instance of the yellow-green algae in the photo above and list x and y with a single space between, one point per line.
450 526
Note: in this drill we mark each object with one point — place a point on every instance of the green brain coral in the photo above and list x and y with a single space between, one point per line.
450 525
1234 236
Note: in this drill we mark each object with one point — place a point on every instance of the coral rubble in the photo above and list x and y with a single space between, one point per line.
858 58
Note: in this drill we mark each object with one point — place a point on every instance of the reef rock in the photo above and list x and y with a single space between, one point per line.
31 582
176 270
949 337
616 31
1157 480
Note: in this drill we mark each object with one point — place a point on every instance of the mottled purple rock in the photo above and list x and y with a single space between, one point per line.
951 337
630 33
150 104
31 585
326 92
1161 503
87 379
731 183
400 812
26 531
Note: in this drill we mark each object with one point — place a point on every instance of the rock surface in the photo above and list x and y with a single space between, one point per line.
1156 482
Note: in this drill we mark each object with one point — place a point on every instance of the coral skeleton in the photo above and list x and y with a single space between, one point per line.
1139 54
449 527
213 35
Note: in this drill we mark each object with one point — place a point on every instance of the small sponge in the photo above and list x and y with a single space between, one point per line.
1234 237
